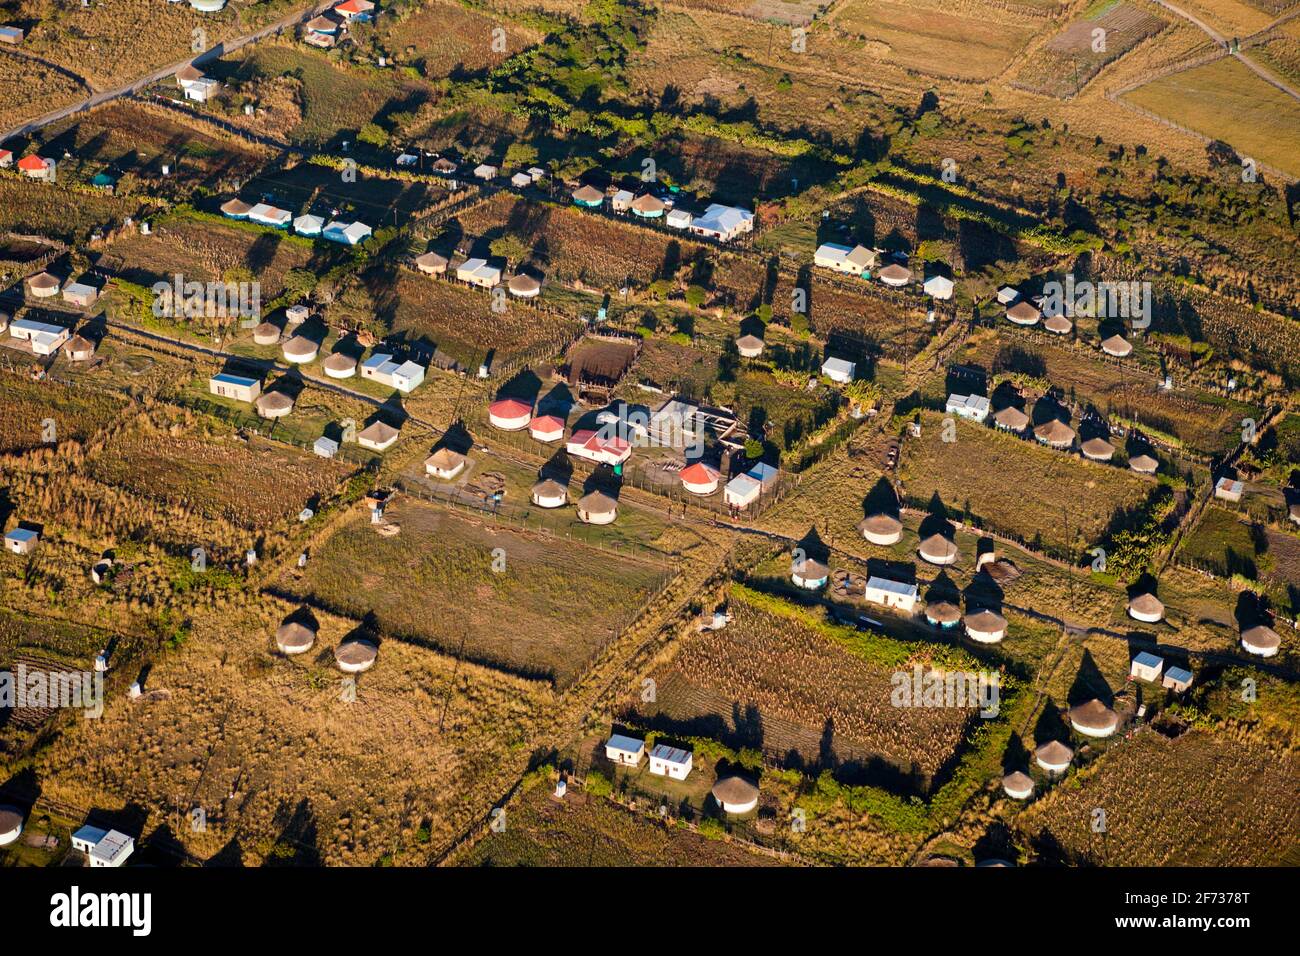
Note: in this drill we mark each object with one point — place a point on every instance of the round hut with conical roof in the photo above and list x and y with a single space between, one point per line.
549 493
881 528
942 614
1261 640
987 627
11 824
1146 607
267 333
596 507
355 655
1094 719
339 365
938 549
1053 756
295 635
1018 785
735 794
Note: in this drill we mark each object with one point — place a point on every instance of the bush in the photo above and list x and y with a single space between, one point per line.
597 784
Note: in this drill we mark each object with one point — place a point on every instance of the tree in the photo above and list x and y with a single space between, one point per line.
374 135
695 296
511 248
520 154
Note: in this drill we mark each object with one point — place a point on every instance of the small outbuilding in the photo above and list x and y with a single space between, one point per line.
273 404
700 479
1146 666
339 365
1144 464
1023 313
79 349
1097 449
1229 489
1117 346
1018 785
21 540
809 573
1177 679
942 614
11 824
749 346
294 637
938 287
839 370
546 428
899 595
986 627
1261 640
325 447
378 436
1146 607
510 414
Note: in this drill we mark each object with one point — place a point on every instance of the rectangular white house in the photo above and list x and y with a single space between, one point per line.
103 847
1177 679
21 540
485 172
839 370
974 407
837 258
44 338
1229 489
241 388
671 762
325 447
1146 666
625 751
267 215
678 219
889 593
403 376
741 491
479 273
723 223
200 90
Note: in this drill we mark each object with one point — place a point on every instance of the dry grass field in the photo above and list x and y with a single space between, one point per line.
455 319
30 207
250 483
1069 59
1017 486
132 137
446 39
552 608
1198 800
236 729
206 251
773 681
1225 100
586 830
972 44
78 413
575 247
32 88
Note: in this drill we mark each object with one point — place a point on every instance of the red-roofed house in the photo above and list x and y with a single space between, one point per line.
602 449
700 479
6 158
355 9
547 428
37 168
510 414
